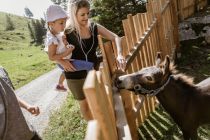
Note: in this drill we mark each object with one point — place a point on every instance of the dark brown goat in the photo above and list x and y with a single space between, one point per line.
187 104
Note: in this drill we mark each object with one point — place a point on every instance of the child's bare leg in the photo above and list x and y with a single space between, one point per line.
61 79
60 86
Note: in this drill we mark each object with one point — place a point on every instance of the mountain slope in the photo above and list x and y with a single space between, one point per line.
23 61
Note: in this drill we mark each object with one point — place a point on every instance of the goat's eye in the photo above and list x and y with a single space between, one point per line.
149 78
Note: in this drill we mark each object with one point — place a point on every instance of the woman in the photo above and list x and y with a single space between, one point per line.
81 33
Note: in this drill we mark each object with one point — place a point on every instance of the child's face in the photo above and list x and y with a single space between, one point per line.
58 25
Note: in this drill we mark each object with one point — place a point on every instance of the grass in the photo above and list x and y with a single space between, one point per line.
160 126
23 61
66 124
24 65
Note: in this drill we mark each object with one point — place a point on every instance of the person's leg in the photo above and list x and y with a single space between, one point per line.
61 79
85 110
60 85
75 86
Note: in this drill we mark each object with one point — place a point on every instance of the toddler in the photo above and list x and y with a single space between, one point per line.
56 44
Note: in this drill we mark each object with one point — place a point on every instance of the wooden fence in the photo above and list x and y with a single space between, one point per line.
118 114
186 8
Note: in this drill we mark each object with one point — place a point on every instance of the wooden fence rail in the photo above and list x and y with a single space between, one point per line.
120 113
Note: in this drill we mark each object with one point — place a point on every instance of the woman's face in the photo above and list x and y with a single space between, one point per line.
82 16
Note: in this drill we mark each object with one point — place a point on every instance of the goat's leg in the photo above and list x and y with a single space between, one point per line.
192 135
186 134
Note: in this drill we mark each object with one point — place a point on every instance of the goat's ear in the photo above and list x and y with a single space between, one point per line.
166 64
158 59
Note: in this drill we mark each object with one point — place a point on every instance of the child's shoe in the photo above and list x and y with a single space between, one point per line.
61 88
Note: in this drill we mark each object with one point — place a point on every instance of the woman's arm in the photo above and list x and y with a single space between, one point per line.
52 53
110 36
58 57
66 64
113 37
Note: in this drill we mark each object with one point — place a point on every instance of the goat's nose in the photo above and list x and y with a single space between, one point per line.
118 82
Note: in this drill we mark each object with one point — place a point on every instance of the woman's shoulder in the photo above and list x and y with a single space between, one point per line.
93 24
94 27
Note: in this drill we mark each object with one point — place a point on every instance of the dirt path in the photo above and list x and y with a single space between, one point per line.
41 92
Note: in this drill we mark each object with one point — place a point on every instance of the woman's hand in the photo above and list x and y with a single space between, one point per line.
121 62
66 64
70 48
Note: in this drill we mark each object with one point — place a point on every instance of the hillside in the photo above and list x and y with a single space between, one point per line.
16 38
23 61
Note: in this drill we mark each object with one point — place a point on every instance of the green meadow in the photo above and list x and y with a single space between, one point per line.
23 61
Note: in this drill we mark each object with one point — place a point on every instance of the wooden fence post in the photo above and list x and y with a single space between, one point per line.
98 104
93 131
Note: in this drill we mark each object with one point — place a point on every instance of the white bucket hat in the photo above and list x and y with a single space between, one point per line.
55 12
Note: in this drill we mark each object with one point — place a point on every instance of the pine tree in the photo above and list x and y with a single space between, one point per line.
9 24
39 31
28 12
33 25
44 28
31 33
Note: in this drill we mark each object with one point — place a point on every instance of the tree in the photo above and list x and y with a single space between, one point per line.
38 31
28 12
31 33
62 3
117 10
9 24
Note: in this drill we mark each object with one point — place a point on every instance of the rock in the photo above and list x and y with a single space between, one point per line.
207 36
187 34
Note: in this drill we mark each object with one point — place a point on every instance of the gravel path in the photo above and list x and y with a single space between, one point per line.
41 92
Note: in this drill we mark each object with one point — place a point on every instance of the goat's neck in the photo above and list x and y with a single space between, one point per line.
170 95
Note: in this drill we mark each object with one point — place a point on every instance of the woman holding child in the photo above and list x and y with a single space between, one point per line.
82 33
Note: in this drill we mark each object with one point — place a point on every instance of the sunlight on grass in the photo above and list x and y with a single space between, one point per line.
160 126
67 123
25 65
